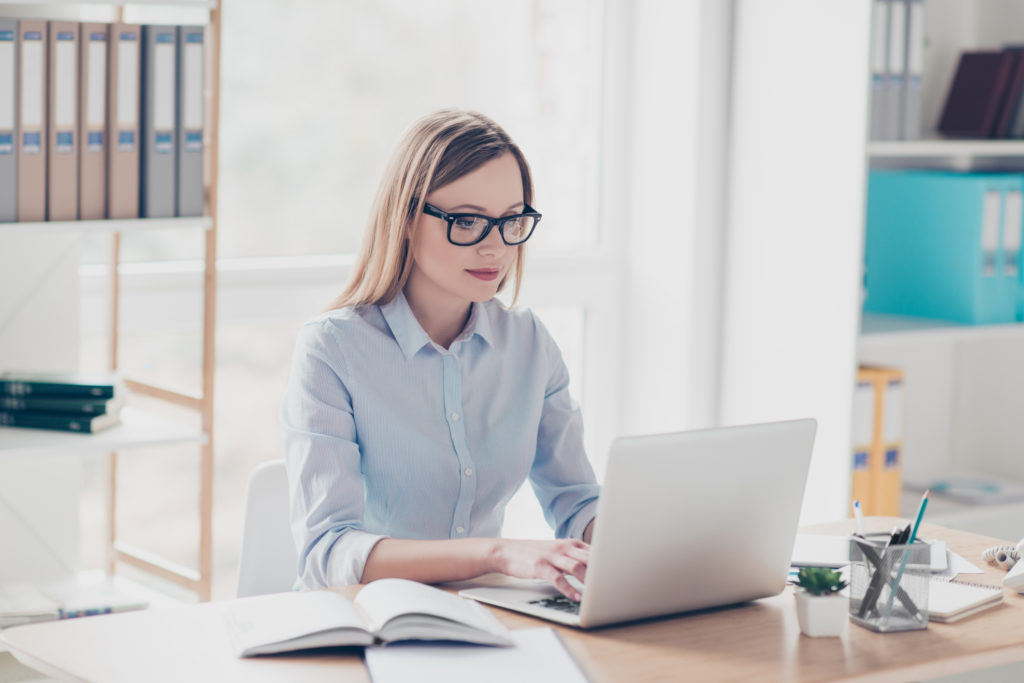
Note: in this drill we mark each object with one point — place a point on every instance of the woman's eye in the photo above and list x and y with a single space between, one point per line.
465 223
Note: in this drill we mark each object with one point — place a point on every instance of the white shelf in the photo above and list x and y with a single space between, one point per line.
121 586
108 225
115 3
879 329
938 149
138 428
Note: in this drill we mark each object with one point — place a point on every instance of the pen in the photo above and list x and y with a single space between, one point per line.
858 515
903 562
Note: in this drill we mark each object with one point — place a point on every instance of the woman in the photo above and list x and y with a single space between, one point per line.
419 404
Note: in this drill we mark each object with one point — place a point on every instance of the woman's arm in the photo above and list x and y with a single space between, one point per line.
459 559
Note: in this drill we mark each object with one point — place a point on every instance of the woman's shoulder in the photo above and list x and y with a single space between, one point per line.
515 321
348 322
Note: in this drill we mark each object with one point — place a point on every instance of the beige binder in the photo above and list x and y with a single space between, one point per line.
62 171
123 120
31 138
92 124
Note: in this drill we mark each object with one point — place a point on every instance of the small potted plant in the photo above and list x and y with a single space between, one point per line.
820 607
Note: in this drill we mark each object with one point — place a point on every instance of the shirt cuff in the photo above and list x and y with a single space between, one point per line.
348 557
346 560
581 519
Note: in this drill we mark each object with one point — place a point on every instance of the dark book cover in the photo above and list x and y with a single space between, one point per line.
978 89
56 421
1011 102
103 385
56 404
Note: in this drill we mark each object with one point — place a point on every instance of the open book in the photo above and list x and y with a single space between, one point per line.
384 611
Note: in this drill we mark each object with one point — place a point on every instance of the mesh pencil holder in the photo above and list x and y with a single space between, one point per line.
889 584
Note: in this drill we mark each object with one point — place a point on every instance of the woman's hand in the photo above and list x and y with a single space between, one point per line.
548 560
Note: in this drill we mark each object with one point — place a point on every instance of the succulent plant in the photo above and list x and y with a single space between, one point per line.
820 580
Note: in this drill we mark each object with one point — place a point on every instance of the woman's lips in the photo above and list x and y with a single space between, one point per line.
487 274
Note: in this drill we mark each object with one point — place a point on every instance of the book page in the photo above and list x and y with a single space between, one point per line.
388 600
292 621
538 654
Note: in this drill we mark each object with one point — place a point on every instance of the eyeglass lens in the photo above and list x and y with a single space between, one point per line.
467 229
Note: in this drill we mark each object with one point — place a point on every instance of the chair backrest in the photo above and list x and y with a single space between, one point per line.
269 560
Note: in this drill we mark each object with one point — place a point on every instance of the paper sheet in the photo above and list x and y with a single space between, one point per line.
957 565
538 655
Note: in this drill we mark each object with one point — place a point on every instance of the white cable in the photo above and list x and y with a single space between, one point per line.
1003 556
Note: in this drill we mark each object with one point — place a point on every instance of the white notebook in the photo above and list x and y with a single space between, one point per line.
952 600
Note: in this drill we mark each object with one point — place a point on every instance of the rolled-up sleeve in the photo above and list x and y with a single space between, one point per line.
562 477
322 459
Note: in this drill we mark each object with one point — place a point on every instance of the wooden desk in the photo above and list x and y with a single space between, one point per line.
757 641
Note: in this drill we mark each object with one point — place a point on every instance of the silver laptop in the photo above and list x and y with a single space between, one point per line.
685 521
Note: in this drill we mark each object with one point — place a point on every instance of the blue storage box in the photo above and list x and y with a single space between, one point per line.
945 245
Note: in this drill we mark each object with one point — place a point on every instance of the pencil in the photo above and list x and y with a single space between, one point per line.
920 514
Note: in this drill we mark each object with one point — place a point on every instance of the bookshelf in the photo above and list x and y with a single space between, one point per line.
961 379
120 226
937 149
144 428
878 330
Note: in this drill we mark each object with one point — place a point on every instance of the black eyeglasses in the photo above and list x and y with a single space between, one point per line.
467 229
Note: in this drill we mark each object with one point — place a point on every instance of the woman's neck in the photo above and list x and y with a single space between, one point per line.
442 318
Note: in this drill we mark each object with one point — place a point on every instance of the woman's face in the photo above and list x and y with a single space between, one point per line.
460 274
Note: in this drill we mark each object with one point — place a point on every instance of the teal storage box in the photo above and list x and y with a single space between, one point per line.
945 245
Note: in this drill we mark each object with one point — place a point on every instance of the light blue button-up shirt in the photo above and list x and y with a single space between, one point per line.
388 434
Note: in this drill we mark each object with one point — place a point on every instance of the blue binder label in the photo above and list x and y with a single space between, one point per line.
65 35
126 141
860 460
164 143
32 35
6 35
165 37
6 143
31 143
94 142
102 37
128 35
194 38
892 458
65 142
194 141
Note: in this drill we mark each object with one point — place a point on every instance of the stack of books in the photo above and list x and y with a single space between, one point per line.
61 401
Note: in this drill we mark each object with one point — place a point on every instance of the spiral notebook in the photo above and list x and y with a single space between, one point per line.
950 601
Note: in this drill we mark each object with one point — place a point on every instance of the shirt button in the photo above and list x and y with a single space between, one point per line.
469 471
455 417
460 529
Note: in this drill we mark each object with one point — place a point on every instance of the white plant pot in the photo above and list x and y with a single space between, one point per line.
822 615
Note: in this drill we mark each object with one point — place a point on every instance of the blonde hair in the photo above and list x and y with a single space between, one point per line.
436 150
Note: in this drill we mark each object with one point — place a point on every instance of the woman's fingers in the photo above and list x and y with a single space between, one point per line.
559 581
581 554
569 565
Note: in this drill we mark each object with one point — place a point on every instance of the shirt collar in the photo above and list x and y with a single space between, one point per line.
411 336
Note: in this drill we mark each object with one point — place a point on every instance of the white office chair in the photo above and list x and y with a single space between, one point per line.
269 559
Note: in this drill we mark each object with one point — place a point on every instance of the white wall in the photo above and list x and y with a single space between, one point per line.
39 325
669 215
794 242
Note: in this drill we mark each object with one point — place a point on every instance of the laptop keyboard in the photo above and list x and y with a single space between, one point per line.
560 603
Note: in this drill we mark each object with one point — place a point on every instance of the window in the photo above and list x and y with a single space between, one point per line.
314 97
316 94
